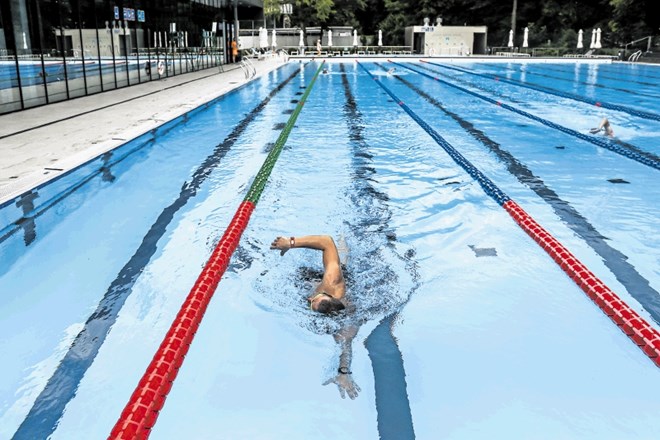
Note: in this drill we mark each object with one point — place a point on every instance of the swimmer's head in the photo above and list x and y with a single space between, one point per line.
324 303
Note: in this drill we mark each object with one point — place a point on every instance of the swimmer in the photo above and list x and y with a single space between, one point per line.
325 71
604 126
329 298
391 71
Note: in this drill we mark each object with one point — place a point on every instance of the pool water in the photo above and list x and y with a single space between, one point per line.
467 329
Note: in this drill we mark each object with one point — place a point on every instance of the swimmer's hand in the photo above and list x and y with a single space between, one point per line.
282 244
345 384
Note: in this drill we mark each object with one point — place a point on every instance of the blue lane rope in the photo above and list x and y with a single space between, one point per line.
621 108
489 187
641 157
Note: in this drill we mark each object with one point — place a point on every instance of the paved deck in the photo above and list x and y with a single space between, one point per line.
39 144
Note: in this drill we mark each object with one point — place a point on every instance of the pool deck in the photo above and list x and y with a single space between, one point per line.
39 144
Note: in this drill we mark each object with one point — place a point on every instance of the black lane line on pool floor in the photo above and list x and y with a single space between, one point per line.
637 286
394 416
49 406
615 145
584 83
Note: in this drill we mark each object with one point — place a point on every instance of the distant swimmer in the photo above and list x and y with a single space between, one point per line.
605 127
325 71
391 71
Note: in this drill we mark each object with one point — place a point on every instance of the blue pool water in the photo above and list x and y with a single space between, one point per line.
468 329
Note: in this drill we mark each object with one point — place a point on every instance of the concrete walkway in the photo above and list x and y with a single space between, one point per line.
39 144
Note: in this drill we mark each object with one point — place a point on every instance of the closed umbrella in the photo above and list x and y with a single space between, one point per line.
263 37
355 37
380 37
329 38
274 38
525 37
510 38
598 45
580 45
593 39
301 42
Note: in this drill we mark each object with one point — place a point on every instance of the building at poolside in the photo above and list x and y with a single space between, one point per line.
437 39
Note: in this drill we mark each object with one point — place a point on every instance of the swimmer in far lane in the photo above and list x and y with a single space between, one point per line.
391 71
605 127
329 298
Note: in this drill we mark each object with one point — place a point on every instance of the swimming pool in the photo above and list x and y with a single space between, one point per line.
471 330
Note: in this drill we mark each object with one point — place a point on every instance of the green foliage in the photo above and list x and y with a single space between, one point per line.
320 10
272 8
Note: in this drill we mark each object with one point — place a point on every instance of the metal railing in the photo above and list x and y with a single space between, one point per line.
635 56
248 68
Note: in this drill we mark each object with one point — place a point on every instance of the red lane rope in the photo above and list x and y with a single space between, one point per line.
627 319
141 412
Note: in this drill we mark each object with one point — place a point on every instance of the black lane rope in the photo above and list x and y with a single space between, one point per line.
624 149
543 89
584 83
636 285
394 416
48 408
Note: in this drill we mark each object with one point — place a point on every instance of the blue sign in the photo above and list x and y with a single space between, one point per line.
129 14
141 15
116 8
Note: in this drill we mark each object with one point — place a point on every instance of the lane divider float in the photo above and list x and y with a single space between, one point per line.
140 414
628 320
638 156
621 108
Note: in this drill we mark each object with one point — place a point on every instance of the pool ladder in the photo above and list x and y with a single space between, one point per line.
248 68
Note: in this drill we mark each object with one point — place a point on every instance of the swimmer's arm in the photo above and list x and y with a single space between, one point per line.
344 337
331 264
323 243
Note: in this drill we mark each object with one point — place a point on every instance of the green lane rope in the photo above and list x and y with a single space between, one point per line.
260 180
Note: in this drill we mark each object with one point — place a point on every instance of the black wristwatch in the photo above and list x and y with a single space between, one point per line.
344 370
